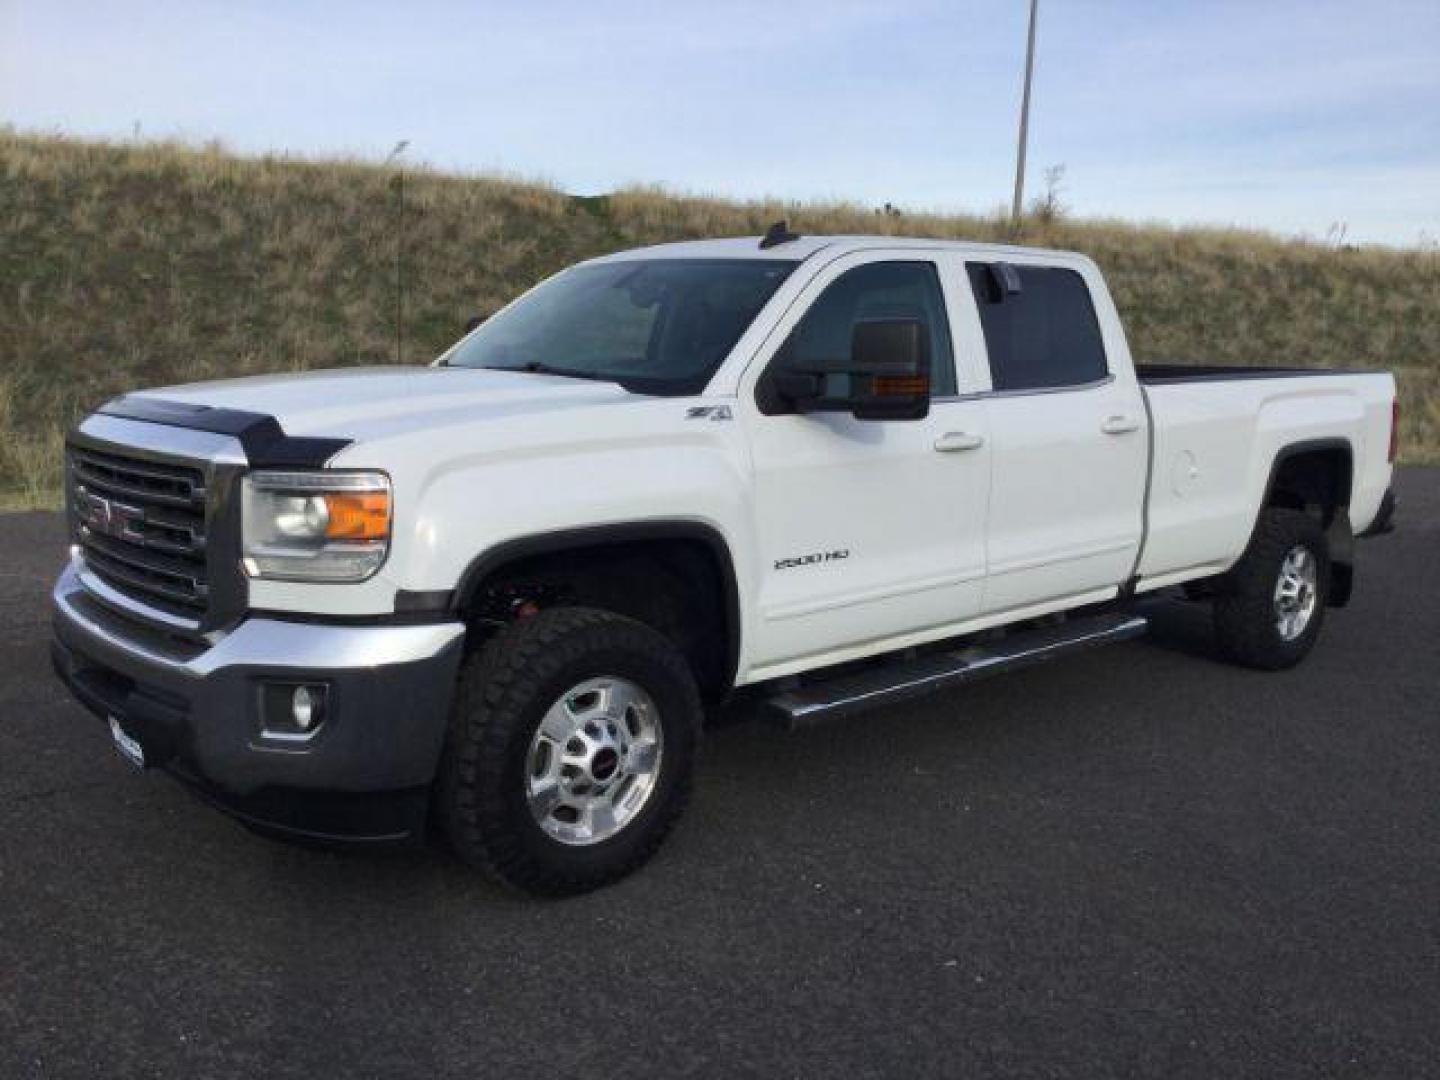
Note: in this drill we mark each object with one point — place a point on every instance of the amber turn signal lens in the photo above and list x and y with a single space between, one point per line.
358 515
900 386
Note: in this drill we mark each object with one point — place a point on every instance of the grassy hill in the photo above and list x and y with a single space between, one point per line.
124 266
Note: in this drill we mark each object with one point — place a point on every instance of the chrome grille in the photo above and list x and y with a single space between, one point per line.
140 524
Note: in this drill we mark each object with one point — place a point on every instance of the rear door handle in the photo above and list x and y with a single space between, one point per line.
1119 425
952 441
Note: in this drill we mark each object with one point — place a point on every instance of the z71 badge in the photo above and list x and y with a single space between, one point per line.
812 560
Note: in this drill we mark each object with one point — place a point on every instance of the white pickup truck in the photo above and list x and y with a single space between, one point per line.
495 594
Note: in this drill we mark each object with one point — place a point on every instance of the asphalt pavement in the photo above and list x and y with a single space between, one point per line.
1132 862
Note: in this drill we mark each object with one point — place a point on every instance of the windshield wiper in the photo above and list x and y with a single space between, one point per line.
538 367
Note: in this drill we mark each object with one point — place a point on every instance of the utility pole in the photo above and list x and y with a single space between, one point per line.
399 249
1024 121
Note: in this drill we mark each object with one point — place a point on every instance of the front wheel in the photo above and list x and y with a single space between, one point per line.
1271 604
570 750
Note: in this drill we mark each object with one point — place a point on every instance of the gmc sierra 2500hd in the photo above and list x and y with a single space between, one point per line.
496 593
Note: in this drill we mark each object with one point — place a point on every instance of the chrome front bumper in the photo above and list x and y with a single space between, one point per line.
196 707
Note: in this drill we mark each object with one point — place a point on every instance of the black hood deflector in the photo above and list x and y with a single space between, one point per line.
264 440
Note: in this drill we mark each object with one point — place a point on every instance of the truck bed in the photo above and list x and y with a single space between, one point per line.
1217 434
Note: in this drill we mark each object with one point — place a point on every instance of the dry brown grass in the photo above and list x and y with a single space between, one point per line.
139 265
27 459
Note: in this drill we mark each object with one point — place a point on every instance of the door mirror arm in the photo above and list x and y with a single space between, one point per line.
803 389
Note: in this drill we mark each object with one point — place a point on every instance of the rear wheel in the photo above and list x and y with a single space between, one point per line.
1271 605
570 750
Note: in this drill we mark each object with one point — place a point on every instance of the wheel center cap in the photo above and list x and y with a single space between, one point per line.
604 764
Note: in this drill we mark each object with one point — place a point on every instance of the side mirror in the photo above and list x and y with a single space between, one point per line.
890 370
886 378
473 321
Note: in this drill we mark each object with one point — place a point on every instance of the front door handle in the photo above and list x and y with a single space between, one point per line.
1120 425
952 441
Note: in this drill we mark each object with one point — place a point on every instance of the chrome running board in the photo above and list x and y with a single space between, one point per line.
845 695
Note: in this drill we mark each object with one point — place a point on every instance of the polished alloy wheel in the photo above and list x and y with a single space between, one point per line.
594 761
1296 592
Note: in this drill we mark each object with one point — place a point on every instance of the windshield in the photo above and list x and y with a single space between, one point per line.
656 326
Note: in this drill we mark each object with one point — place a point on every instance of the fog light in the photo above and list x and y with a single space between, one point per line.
302 707
293 710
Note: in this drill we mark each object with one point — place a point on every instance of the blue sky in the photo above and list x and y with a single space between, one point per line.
1284 114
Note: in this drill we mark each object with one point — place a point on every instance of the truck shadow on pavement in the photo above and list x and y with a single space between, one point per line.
1181 626
744 758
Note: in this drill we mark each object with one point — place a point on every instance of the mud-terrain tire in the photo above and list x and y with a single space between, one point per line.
1270 606
605 684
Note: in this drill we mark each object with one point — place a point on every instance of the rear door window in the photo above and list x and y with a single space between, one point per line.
1043 336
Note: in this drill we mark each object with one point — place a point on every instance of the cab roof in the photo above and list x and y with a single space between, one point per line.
748 247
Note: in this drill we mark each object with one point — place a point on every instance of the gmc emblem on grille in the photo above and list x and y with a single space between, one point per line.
110 518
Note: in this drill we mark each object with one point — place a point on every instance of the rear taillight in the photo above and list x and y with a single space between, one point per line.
1394 429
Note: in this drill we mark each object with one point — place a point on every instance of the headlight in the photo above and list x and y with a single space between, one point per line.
315 526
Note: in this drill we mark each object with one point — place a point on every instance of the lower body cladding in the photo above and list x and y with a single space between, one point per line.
319 731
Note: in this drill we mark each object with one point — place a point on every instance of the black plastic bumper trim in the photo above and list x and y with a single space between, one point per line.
332 817
362 778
